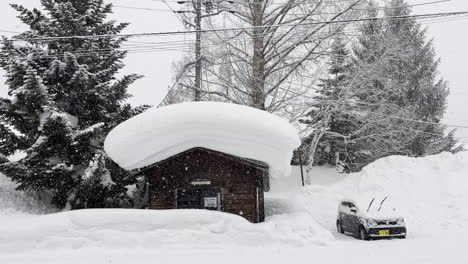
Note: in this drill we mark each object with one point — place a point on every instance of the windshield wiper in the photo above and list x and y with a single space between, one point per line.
382 203
370 204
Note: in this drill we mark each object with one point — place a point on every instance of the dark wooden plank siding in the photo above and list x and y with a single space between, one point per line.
237 180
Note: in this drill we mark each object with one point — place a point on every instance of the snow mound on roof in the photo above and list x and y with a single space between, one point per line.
160 133
150 229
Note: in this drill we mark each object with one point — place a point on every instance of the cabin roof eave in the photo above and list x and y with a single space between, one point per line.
246 161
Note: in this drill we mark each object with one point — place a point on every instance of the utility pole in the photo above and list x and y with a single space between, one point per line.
200 9
198 58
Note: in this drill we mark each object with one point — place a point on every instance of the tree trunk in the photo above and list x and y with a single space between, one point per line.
313 146
258 58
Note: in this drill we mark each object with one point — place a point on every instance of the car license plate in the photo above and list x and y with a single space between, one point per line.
384 232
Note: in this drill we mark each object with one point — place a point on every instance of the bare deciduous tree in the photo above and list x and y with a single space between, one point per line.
275 56
272 55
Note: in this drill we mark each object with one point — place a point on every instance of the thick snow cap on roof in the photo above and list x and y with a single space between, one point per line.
246 132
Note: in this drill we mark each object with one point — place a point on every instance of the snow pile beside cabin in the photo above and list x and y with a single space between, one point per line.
129 228
430 192
242 131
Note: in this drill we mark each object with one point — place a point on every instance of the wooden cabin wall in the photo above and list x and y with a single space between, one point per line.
239 182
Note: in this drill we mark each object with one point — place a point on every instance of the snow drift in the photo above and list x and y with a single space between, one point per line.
160 133
128 228
430 192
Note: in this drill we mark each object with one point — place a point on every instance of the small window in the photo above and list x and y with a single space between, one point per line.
351 205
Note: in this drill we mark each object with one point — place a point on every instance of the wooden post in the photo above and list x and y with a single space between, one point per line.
300 164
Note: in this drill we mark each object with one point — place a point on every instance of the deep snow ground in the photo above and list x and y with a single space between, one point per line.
432 194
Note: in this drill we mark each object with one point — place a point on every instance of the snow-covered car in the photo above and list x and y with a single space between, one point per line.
376 220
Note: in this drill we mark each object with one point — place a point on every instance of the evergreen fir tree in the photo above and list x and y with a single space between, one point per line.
369 53
64 99
394 99
416 72
395 77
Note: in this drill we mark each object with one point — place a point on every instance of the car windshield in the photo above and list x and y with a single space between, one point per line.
377 204
379 207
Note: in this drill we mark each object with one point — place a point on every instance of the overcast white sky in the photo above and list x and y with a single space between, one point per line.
450 38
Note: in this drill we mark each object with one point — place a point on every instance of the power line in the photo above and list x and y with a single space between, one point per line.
427 21
387 116
373 113
407 128
173 11
344 21
344 101
389 8
168 33
357 9
247 2
143 8
173 45
418 121
365 103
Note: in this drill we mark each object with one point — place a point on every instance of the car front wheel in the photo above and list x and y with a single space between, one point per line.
362 234
339 227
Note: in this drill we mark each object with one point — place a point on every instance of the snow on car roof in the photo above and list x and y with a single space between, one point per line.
160 133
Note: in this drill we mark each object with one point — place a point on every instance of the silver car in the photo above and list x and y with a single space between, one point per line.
370 221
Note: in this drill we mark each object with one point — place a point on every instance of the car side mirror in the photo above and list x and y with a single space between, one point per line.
353 210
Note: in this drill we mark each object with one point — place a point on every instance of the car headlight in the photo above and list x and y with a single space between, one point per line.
401 221
372 222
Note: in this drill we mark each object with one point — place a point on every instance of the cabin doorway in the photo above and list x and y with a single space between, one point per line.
199 198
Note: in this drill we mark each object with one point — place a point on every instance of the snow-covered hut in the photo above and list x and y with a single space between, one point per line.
205 155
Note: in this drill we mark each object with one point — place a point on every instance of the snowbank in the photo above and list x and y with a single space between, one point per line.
120 228
431 193
160 133
23 231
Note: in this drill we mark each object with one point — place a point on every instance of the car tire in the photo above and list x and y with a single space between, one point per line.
339 227
362 234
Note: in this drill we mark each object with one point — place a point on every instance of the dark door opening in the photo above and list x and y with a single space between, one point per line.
199 198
